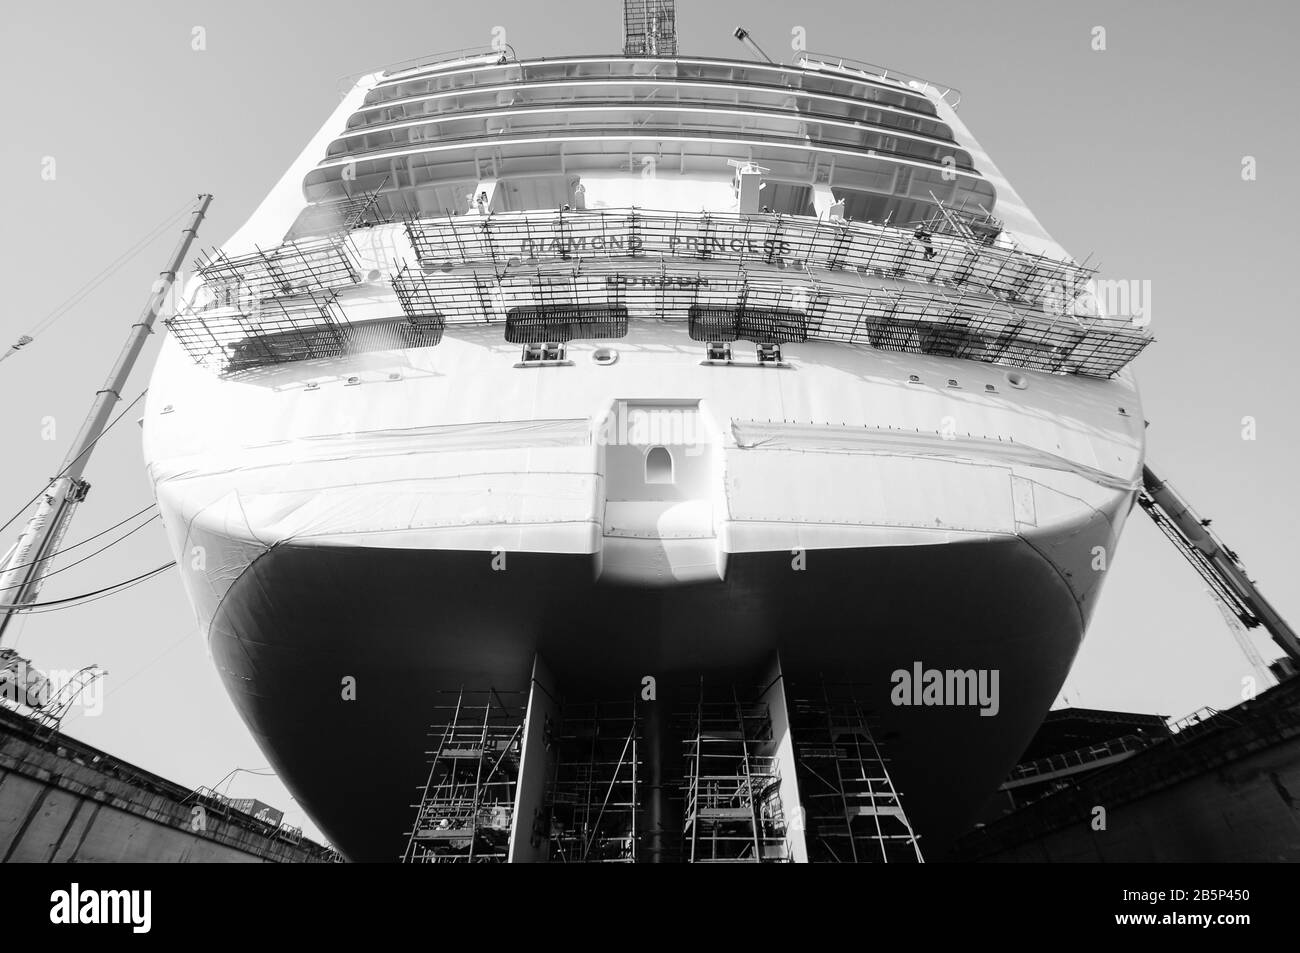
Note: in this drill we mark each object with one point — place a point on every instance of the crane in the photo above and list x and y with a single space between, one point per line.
1218 565
24 569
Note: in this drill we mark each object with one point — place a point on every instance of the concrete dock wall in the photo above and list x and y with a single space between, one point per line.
62 801
1227 790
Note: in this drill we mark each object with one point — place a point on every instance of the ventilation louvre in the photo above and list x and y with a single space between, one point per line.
760 325
566 322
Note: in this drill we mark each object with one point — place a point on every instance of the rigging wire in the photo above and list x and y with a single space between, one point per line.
140 671
103 532
105 273
116 587
70 463
108 595
107 546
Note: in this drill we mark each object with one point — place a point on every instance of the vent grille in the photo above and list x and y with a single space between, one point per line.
760 325
565 322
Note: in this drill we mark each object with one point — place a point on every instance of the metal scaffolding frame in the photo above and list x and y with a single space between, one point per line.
311 266
264 331
282 305
340 216
852 811
845 307
787 241
732 811
467 801
649 27
735 276
594 797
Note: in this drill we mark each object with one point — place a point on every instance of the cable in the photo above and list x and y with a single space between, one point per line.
107 271
267 772
65 549
23 615
69 464
85 595
55 572
138 672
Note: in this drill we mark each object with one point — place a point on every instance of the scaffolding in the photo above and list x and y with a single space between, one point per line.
981 228
649 27
340 216
268 306
294 268
840 307
594 796
852 812
732 811
785 241
283 330
789 278
467 801
947 293
280 306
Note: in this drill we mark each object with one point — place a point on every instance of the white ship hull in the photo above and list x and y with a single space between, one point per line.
427 518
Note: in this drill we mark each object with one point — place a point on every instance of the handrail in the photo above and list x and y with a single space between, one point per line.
848 136
869 70
881 72
1079 757
445 57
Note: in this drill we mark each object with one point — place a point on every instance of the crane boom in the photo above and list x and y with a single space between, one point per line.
22 573
1218 565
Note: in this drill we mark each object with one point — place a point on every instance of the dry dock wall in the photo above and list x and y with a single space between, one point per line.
62 801
1227 790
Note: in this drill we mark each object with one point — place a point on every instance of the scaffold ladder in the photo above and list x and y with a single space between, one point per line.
467 800
855 813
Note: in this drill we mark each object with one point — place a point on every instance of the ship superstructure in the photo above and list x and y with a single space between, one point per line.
570 454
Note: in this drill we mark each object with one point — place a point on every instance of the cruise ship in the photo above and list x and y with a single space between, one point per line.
643 458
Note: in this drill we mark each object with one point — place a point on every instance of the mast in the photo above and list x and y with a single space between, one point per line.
29 560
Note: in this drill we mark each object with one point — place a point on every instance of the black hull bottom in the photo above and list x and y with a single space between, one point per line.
403 624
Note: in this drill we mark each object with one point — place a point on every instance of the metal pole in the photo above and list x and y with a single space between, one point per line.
1221 562
30 558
